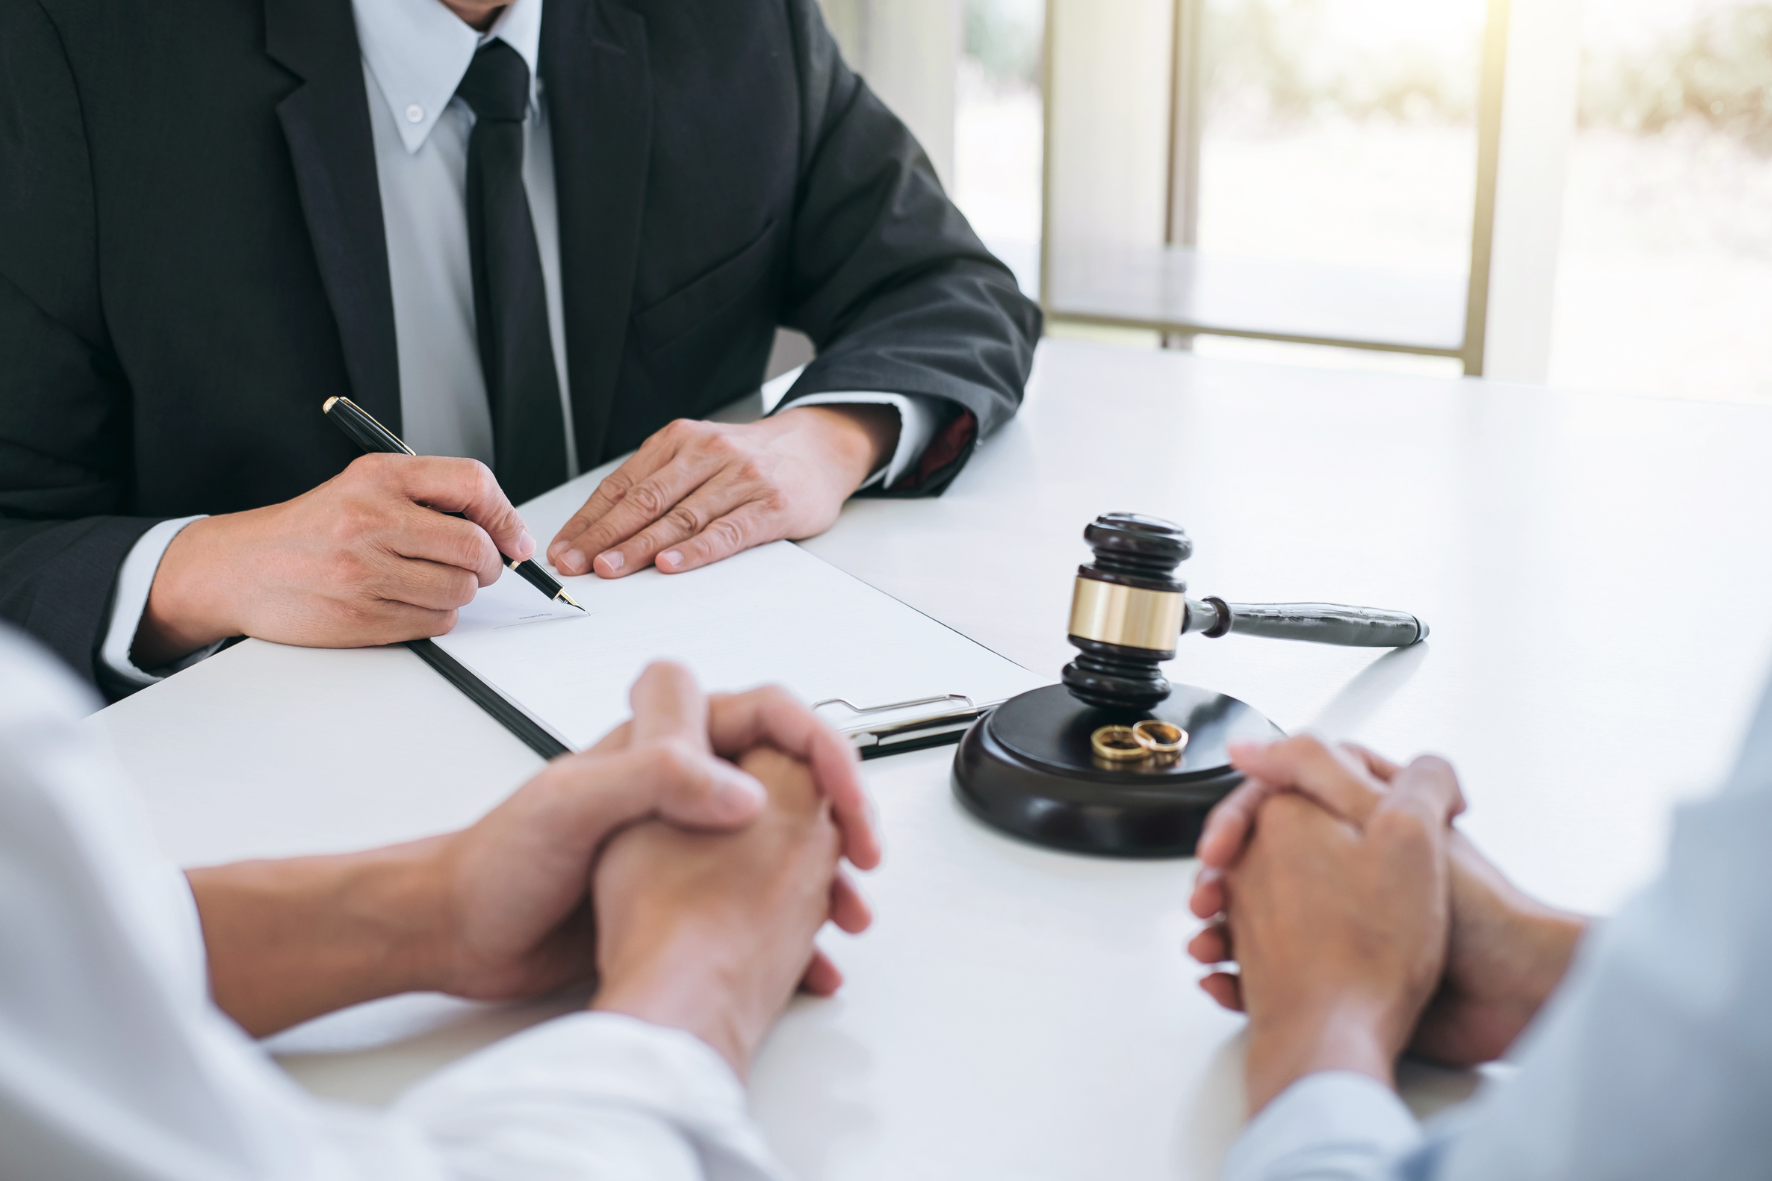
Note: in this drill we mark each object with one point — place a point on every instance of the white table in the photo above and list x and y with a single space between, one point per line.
1595 570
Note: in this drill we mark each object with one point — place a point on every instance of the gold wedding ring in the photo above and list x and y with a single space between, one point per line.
1159 738
1118 744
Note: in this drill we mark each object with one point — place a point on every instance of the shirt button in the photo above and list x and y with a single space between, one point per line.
415 114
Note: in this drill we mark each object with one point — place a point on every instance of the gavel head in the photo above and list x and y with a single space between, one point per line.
1127 611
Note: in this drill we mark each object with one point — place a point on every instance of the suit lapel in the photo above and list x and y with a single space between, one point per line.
326 121
599 93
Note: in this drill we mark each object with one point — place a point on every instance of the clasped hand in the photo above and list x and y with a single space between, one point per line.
1362 922
688 884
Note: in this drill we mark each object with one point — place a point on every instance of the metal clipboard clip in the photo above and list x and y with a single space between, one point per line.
935 728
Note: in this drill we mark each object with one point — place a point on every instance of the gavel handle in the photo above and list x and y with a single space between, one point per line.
1317 623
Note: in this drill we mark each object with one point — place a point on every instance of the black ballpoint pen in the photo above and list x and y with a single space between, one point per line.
371 435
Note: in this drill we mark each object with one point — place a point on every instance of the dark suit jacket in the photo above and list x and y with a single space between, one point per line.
192 256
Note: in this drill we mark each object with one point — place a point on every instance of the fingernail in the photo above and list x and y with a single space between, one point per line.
612 560
670 558
525 544
572 562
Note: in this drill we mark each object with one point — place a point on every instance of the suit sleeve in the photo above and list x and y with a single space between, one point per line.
887 278
64 404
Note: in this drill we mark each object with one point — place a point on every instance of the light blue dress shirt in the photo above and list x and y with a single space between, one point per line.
415 53
1652 1062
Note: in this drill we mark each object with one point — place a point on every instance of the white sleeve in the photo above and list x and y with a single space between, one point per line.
115 1065
129 600
1336 1125
597 1096
918 417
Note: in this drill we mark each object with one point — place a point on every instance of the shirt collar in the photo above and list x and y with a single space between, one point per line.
419 51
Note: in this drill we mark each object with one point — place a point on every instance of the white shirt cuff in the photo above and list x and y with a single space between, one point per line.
918 417
1333 1124
129 600
593 1095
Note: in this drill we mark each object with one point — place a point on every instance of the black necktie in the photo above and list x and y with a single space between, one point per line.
510 303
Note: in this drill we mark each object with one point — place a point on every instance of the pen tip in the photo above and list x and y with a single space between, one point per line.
569 600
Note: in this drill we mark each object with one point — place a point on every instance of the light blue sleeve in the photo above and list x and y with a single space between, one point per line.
1332 1126
1654 1060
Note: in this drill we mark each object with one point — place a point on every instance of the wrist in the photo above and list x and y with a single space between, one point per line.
397 902
677 982
860 437
1347 1034
188 607
1548 941
1531 943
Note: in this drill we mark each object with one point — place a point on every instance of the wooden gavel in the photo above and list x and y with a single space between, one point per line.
1128 611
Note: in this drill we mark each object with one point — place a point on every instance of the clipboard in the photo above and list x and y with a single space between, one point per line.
942 726
868 663
531 732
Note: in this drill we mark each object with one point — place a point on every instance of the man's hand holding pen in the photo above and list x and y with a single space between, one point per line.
369 557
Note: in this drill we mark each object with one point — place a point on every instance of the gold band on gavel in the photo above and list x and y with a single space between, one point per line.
1117 744
1129 616
1162 739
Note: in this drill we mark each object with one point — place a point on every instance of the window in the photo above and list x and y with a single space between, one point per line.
1664 282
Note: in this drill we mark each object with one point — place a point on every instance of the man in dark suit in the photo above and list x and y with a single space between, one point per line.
526 238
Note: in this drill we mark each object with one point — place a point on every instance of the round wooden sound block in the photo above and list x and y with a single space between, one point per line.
1027 768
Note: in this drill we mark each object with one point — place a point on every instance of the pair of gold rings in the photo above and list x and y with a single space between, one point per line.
1149 739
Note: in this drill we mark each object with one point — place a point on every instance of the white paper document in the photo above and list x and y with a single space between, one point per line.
771 615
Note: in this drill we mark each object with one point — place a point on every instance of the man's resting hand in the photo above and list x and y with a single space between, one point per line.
697 492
